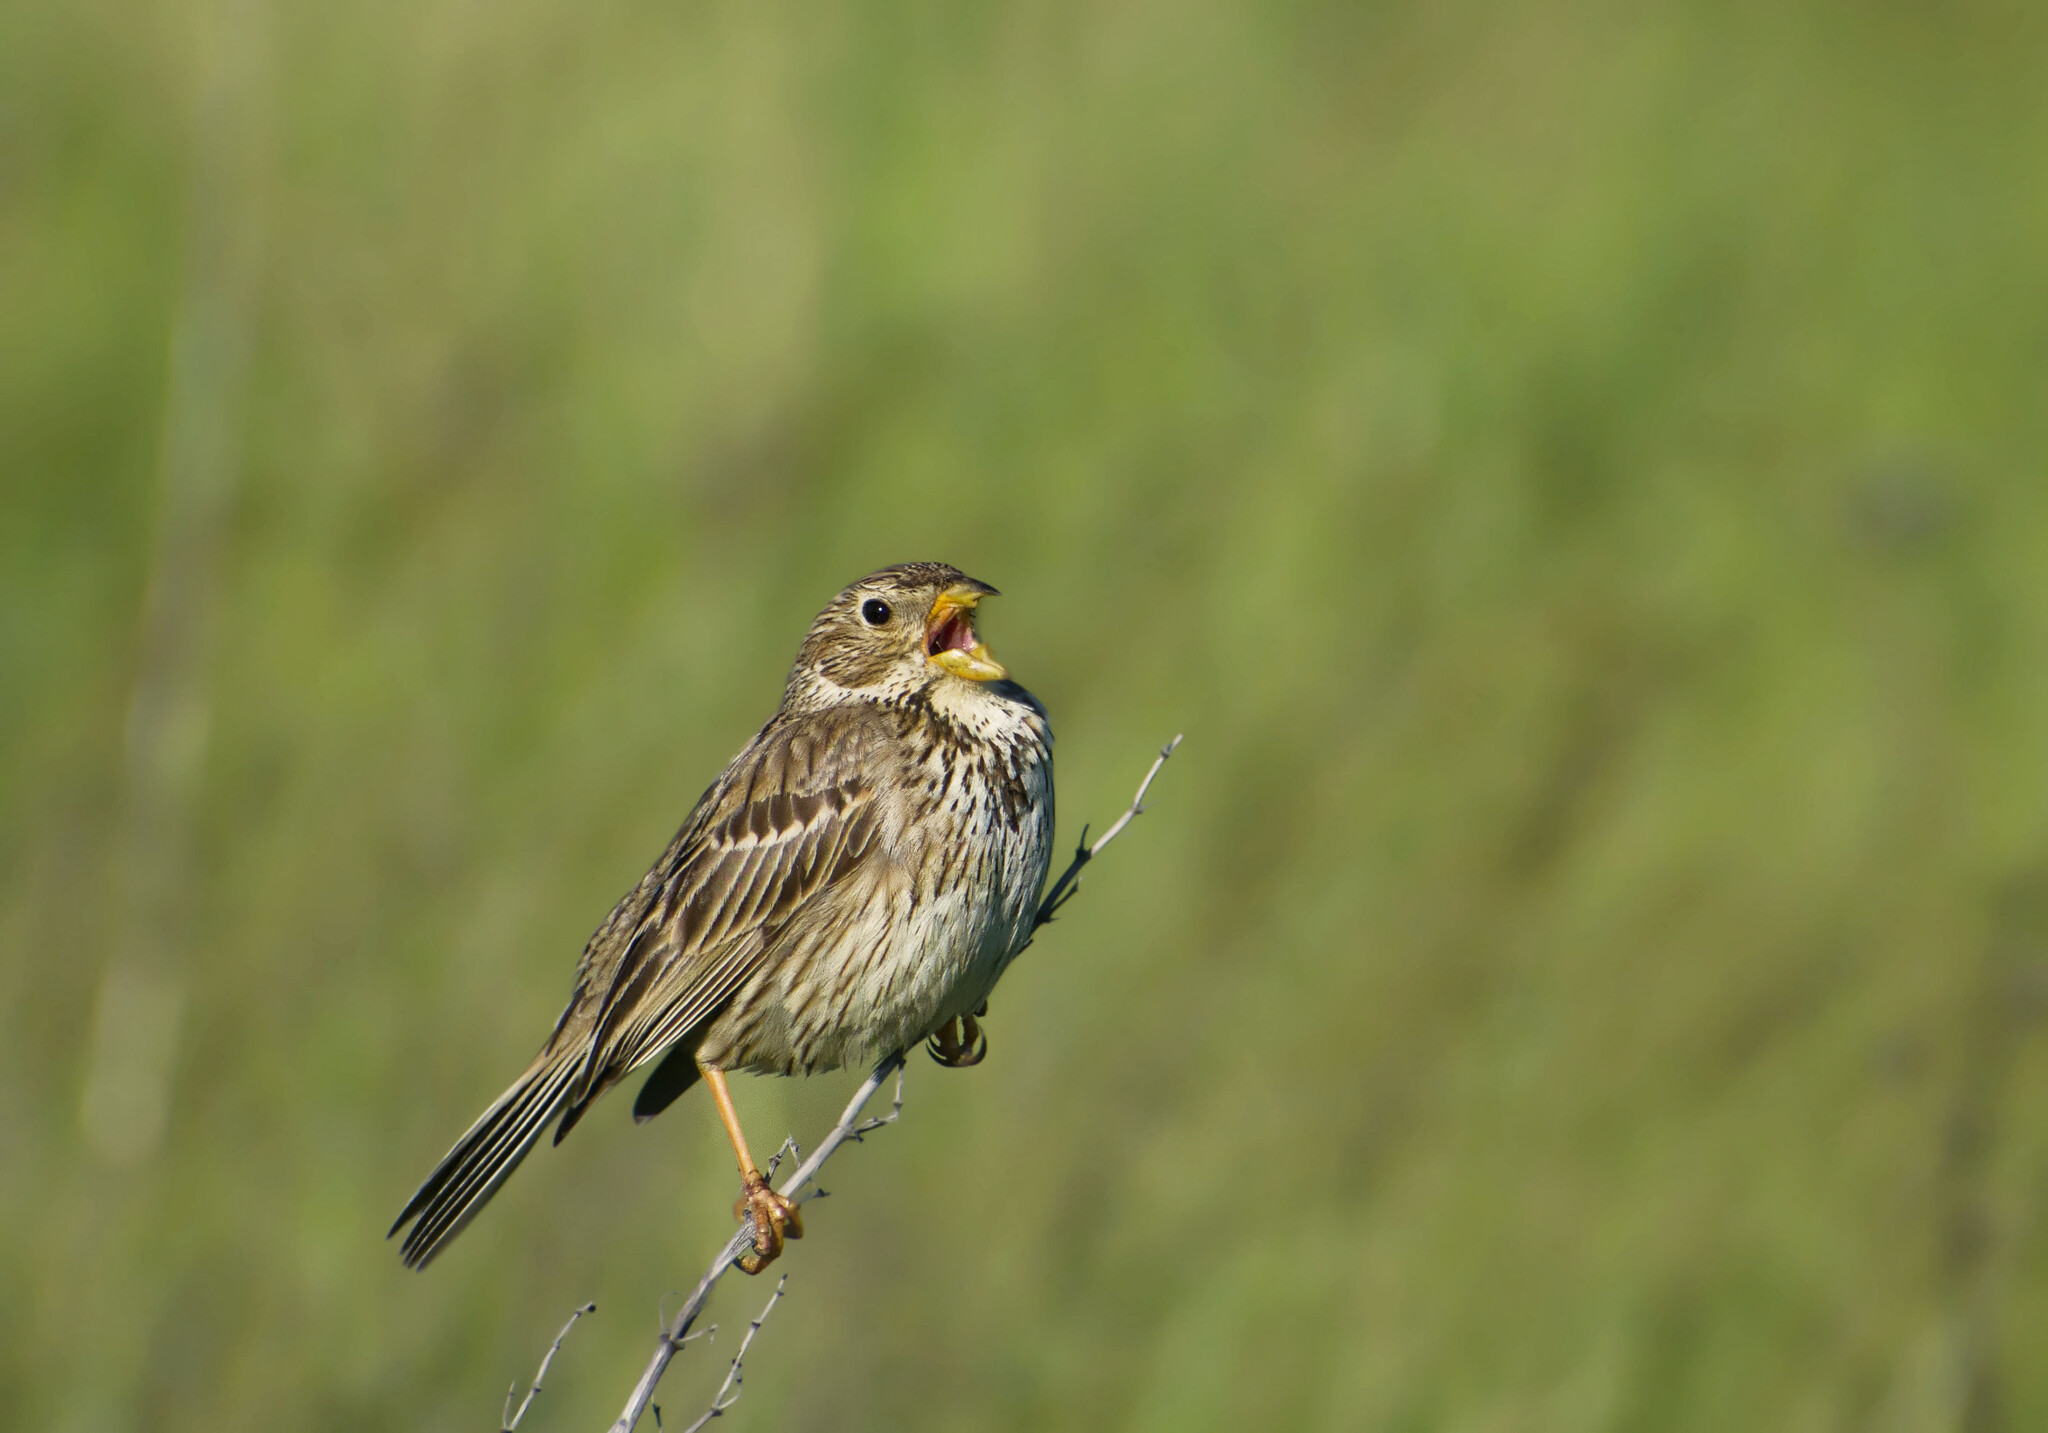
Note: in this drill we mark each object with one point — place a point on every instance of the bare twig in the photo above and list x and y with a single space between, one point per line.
852 1126
511 1419
730 1390
1070 879
661 1320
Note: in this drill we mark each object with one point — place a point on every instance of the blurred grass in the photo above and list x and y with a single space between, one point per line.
1573 470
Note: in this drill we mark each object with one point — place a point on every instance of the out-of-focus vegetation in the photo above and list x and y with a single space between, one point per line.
1573 470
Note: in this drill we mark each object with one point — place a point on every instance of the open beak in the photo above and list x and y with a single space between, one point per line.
949 638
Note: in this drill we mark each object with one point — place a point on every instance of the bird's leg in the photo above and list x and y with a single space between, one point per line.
774 1216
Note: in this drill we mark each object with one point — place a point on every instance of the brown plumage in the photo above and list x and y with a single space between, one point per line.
855 880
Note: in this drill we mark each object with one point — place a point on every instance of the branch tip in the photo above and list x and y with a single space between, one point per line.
510 1421
1063 889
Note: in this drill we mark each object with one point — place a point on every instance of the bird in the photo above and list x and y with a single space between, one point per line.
855 882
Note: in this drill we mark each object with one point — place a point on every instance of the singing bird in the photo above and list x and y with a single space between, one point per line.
854 882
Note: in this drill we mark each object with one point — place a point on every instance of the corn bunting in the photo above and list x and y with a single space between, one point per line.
854 882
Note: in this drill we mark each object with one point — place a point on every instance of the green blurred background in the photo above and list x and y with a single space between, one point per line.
1572 469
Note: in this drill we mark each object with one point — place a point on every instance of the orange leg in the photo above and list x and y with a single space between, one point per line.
774 1216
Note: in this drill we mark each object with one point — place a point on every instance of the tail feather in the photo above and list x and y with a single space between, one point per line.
470 1173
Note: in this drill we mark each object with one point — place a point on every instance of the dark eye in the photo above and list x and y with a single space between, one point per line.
874 612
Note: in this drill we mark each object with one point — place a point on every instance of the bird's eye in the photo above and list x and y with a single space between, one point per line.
874 612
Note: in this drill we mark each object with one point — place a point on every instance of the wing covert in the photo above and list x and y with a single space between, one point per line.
754 853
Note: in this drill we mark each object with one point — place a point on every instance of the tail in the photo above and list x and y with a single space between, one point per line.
469 1174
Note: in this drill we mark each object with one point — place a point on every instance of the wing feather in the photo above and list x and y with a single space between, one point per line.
788 820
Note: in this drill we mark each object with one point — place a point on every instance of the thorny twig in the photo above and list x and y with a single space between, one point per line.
959 1045
1070 879
733 1383
802 1186
511 1419
661 1321
851 1126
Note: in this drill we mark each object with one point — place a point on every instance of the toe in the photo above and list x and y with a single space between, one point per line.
767 1241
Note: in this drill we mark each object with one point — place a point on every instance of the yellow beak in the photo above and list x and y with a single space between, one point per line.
950 640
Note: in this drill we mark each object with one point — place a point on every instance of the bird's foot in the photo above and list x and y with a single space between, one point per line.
957 1044
775 1219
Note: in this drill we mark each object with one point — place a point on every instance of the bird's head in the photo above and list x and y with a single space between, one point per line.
892 633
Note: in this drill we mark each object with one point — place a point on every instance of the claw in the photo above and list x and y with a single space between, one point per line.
958 1044
774 1218
976 1042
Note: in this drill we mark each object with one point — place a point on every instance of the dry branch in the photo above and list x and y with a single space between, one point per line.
851 1126
511 1419
1070 879
802 1186
730 1390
